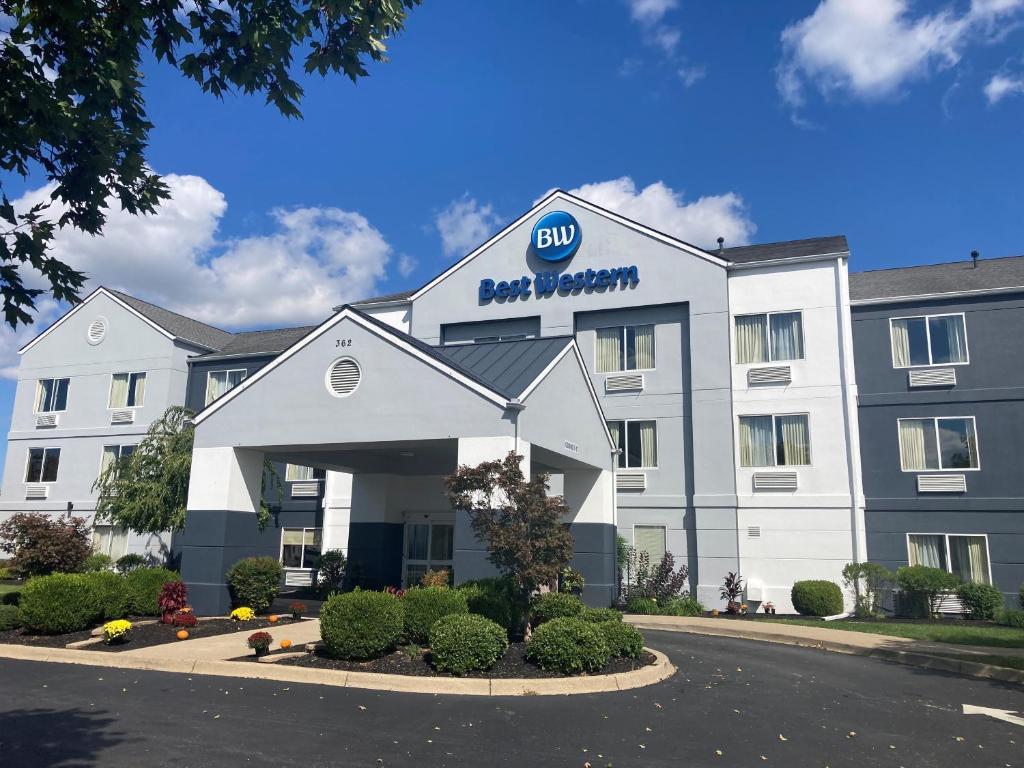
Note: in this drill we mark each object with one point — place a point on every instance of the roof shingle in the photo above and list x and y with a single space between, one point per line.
786 249
184 328
931 279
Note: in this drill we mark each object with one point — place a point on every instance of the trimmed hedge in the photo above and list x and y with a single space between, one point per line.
361 625
1014 619
11 598
554 605
923 587
59 603
10 617
495 599
463 642
97 561
600 615
423 606
111 592
622 639
982 601
568 645
817 598
254 582
144 585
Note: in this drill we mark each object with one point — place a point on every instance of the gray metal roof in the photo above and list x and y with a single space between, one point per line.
270 342
179 326
399 296
787 249
508 367
931 279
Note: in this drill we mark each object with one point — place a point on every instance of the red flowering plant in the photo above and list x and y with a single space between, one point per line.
173 597
260 642
184 618
297 608
395 591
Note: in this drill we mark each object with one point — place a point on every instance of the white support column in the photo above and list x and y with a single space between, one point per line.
590 495
337 511
225 480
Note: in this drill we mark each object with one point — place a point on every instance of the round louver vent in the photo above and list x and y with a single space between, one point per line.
343 377
97 330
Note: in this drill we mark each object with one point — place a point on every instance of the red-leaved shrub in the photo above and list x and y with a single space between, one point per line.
42 544
173 597
184 618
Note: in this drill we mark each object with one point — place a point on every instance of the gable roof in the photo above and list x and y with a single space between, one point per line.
269 342
786 249
935 280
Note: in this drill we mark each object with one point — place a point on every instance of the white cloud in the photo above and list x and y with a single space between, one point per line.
313 259
465 224
657 205
650 16
872 48
406 265
1001 86
650 11
690 75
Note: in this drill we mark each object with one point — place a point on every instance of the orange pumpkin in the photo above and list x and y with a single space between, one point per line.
272 618
182 634
714 611
286 644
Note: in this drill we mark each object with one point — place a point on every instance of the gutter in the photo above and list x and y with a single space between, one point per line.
788 260
930 296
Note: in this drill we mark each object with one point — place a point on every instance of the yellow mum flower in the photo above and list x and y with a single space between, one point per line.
243 614
116 631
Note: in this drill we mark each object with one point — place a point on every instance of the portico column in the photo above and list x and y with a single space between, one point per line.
220 526
590 496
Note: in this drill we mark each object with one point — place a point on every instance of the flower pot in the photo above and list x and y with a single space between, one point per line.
261 652
296 617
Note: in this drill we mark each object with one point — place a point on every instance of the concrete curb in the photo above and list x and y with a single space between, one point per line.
660 670
909 657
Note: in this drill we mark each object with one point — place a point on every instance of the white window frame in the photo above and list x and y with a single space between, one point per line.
664 533
928 334
775 439
28 460
429 519
120 447
938 450
289 479
129 374
39 386
228 372
768 335
949 554
622 327
110 539
280 553
625 431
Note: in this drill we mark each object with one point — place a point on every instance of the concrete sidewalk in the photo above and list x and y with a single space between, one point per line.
230 645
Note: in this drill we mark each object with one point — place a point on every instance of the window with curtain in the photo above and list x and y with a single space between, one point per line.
770 441
221 382
650 539
637 442
928 340
110 540
300 547
769 337
625 348
938 443
51 395
43 464
297 472
127 390
112 453
964 555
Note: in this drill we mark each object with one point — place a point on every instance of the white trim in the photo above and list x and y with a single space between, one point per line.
949 557
280 551
938 450
559 194
329 373
206 389
788 260
623 327
930 296
768 336
42 466
39 383
625 453
385 335
928 335
103 291
110 389
775 439
119 446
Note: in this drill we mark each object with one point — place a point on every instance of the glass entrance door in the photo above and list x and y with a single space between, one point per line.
429 546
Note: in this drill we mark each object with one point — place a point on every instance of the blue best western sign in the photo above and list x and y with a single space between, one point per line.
556 238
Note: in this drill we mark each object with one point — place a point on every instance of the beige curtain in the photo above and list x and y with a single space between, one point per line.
214 385
751 333
293 472
756 441
644 346
139 395
795 440
927 550
970 560
119 391
900 344
110 454
615 430
912 443
649 443
650 539
609 350
118 543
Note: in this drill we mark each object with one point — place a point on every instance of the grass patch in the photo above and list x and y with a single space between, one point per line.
5 588
1013 662
968 634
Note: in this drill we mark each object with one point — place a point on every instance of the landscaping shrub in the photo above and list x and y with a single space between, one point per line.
6 573
494 598
144 586
129 563
1014 619
184 618
173 597
817 598
731 591
112 594
554 605
423 606
43 544
330 575
10 617
242 613
439 578
460 643
622 639
867 581
568 645
660 581
924 588
254 582
361 625
1020 596
59 603
983 602
116 631
681 606
97 562
646 606
599 615
11 598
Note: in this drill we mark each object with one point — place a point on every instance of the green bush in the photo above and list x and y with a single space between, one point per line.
925 587
423 606
11 598
254 582
463 642
1013 619
144 585
6 573
568 645
983 602
1020 596
681 606
361 625
97 562
129 563
599 615
646 606
330 572
10 617
495 599
59 603
554 605
817 598
112 593
622 639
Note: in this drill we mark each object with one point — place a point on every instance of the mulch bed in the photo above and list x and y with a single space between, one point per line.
146 635
417 664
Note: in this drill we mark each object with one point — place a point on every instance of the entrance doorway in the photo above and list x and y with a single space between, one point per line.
429 545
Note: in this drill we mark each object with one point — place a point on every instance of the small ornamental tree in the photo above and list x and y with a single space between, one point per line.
173 597
520 523
42 544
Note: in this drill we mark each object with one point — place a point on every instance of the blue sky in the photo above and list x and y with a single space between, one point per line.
896 123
